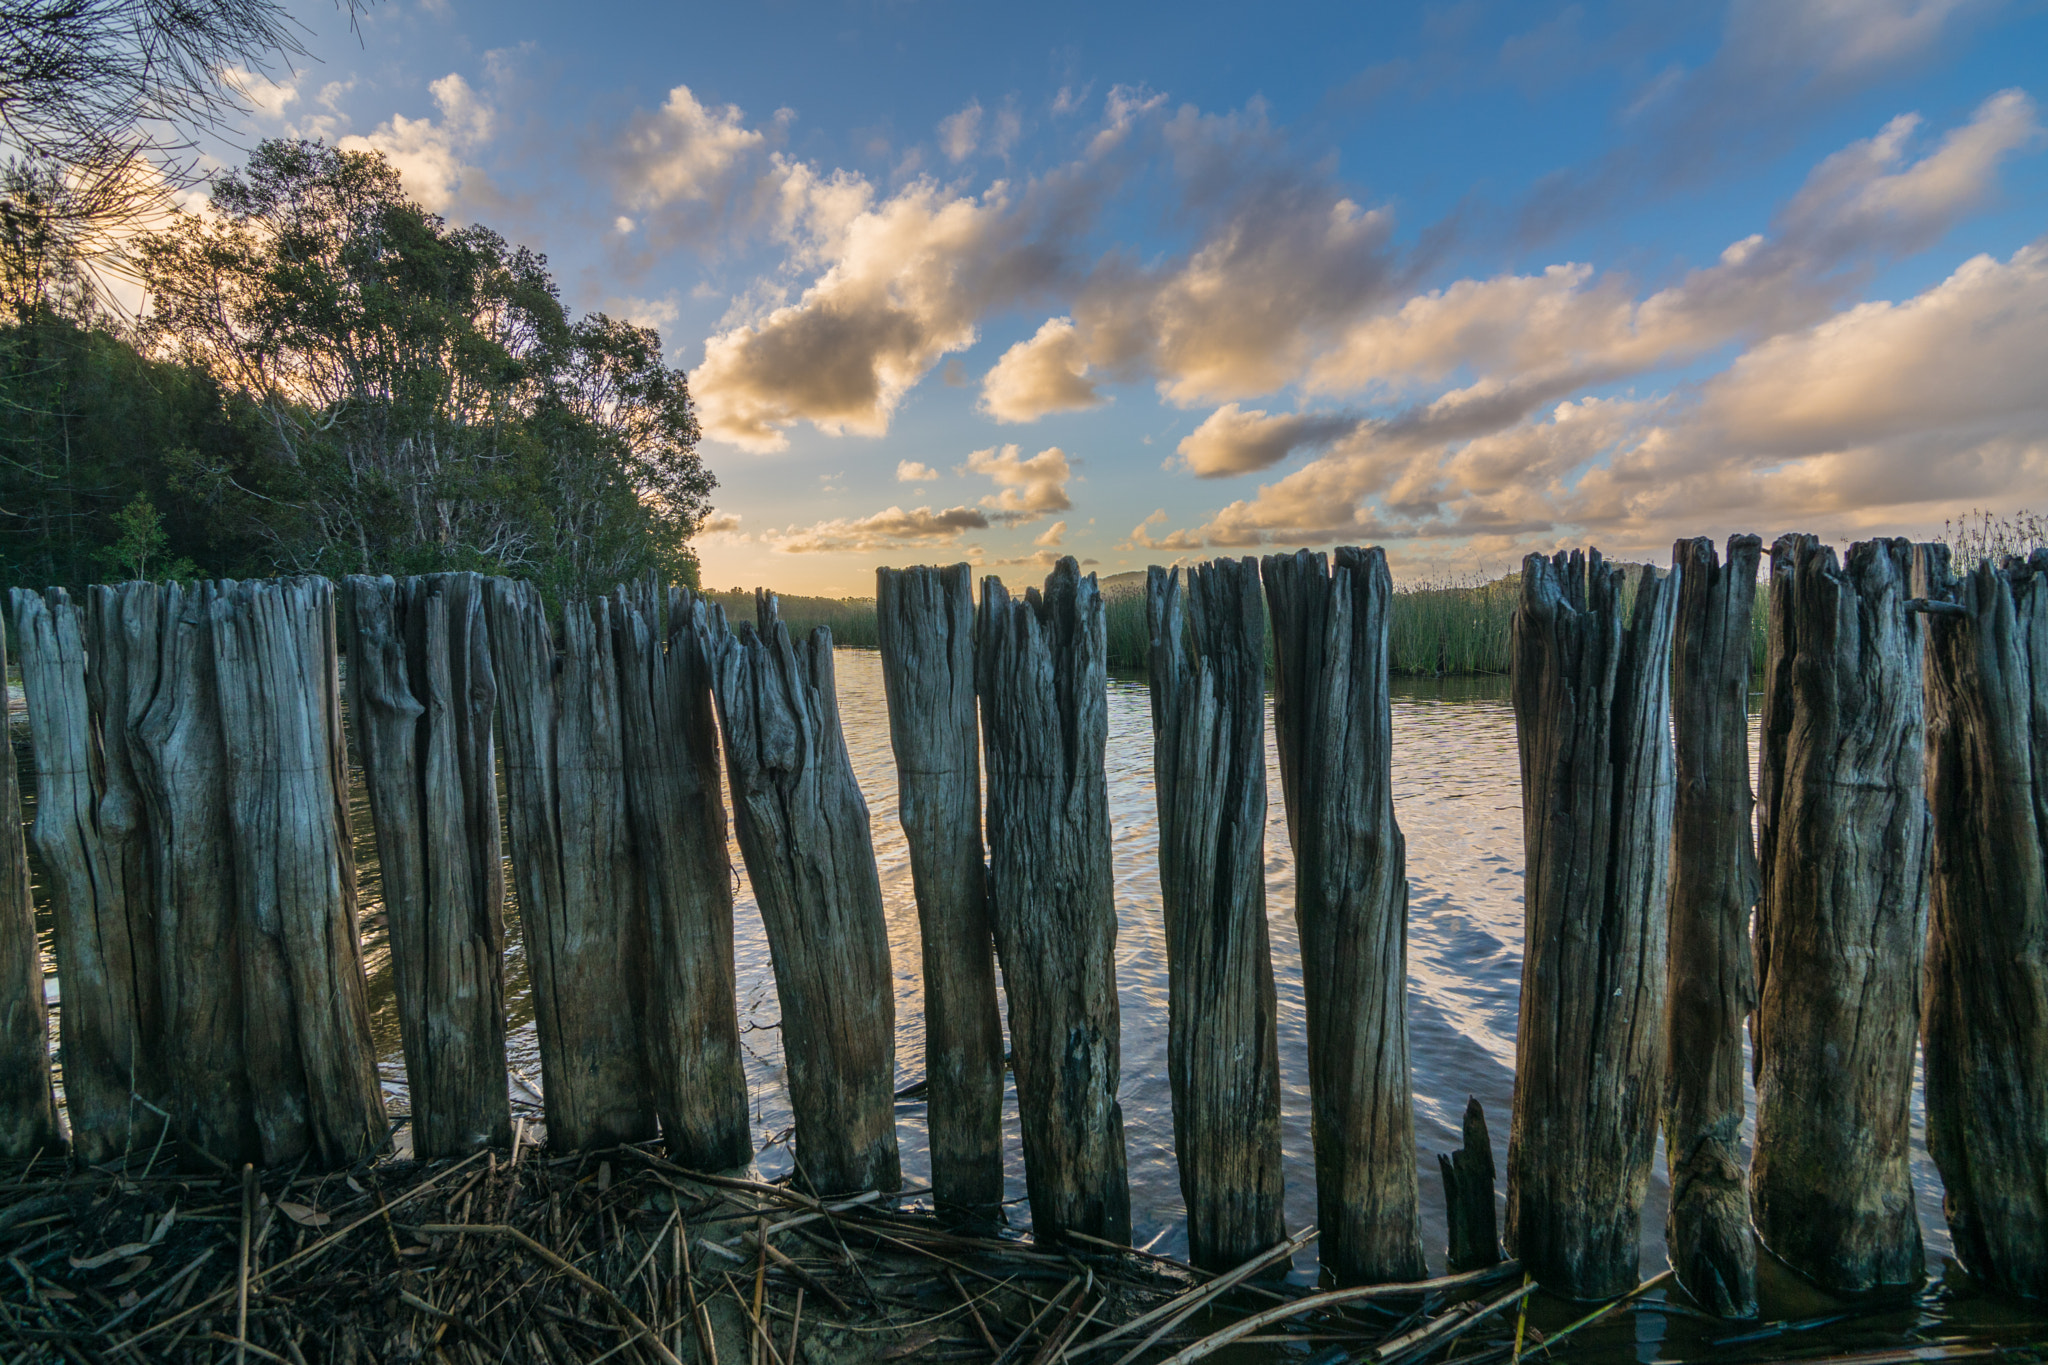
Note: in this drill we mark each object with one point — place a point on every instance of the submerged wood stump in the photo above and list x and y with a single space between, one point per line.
1208 674
1987 949
1592 700
1039 671
28 1110
803 830
1468 1195
925 618
1841 928
422 697
1711 987
1335 728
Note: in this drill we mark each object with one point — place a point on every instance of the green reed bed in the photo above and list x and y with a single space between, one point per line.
852 619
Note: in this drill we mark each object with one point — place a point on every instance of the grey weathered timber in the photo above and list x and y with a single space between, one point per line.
1711 986
803 831
28 1110
697 1079
103 933
1334 723
1040 675
1842 925
1208 673
1986 1027
306 1020
1468 1195
925 620
422 696
1592 698
580 906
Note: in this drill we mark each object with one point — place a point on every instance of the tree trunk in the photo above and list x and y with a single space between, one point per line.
1208 667
803 830
579 889
1593 714
1712 978
1841 928
1468 1195
697 1078
1039 671
926 621
1335 728
1987 952
28 1110
422 697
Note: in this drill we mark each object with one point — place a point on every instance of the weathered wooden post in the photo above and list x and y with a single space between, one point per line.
1987 951
1040 672
422 696
1469 1173
803 830
1334 723
1841 928
925 618
1208 672
580 905
1711 987
28 1111
1592 700
697 1078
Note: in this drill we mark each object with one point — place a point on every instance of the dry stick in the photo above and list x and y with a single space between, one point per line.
795 1321
981 1326
760 1329
1425 1335
1603 1310
242 1275
699 1318
612 1300
760 1286
1176 1310
1058 1335
1030 1326
1330 1298
1521 1324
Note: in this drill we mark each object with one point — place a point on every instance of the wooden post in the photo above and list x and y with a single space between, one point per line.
1987 950
1468 1195
1592 701
803 830
306 1016
422 696
925 618
580 905
1711 987
108 1027
1334 720
1208 669
1841 928
1040 673
28 1110
697 1078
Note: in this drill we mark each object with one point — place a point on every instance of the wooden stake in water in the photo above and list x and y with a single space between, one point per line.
28 1110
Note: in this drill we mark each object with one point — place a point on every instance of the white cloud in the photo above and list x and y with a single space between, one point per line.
720 524
884 530
1052 536
430 156
1029 487
267 97
682 151
1231 440
911 471
960 132
1047 372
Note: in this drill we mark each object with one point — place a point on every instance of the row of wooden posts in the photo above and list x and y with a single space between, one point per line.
192 816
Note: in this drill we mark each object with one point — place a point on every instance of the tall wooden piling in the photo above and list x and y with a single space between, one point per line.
1040 674
1986 1029
28 1110
1592 700
925 620
1208 674
1841 927
1711 986
422 697
1469 1174
1334 723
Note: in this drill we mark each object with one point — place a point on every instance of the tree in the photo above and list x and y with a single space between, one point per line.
140 552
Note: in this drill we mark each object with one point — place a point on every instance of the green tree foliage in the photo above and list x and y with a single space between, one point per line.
139 553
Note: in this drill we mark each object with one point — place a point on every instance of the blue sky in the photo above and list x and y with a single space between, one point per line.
1137 284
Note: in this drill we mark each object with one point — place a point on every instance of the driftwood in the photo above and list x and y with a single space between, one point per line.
1335 729
925 618
422 697
1039 671
28 1110
696 1076
803 830
1841 927
1711 985
1468 1195
1592 714
1987 949
1208 669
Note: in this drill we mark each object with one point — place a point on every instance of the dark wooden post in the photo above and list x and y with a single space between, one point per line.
1592 701
803 830
1335 728
28 1111
925 618
1208 667
422 698
1987 950
697 1078
579 891
1841 928
1040 673
1711 987
1468 1175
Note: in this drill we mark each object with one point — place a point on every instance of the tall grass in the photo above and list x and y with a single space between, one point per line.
1979 537
852 619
